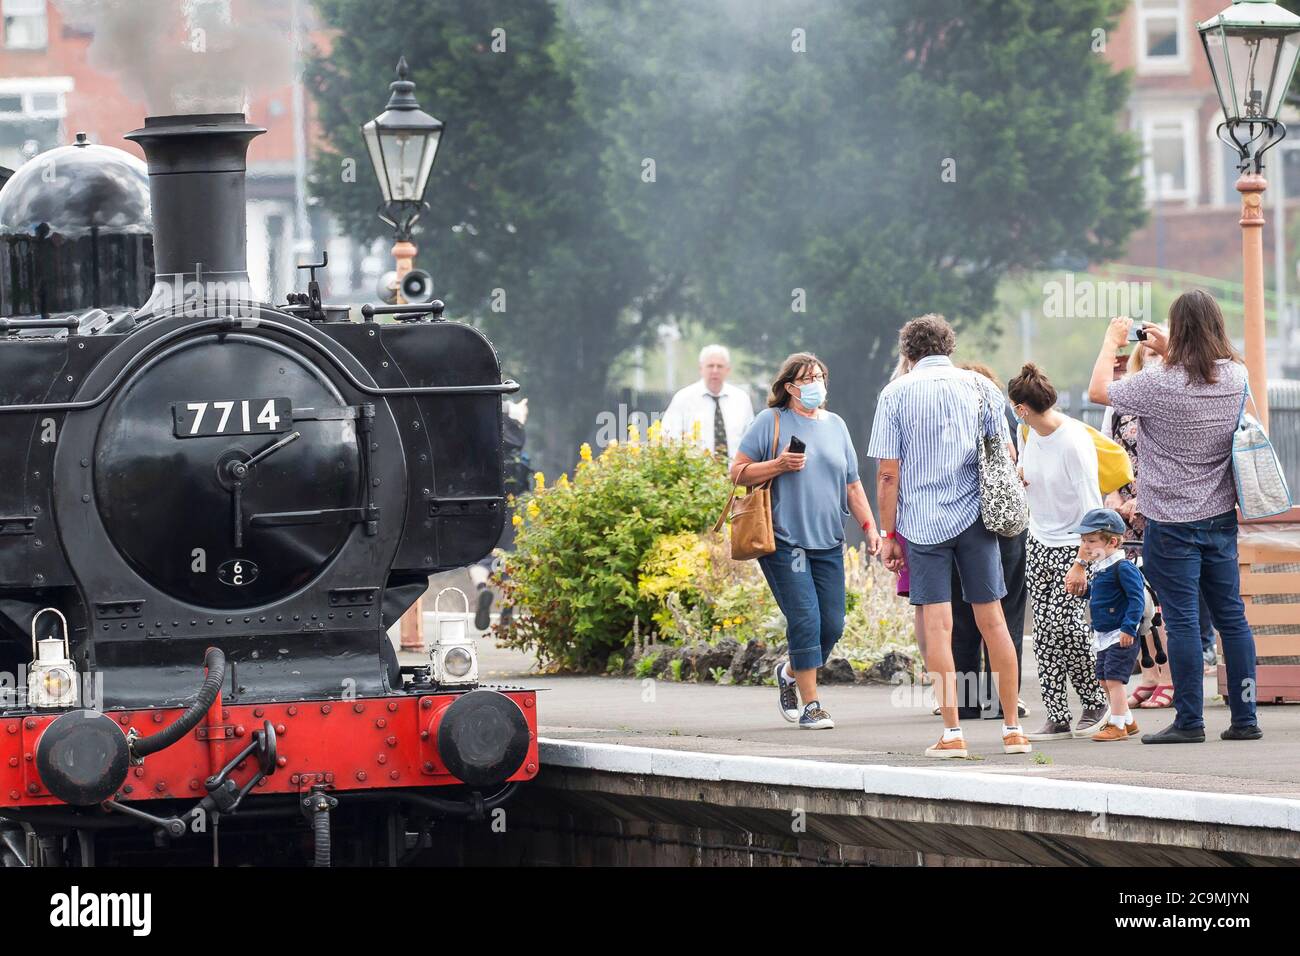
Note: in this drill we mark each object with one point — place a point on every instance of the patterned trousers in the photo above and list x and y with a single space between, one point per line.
1062 637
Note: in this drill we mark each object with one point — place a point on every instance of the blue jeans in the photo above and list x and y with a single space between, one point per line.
809 588
1182 559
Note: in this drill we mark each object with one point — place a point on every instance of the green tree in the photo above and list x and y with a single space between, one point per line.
514 220
869 160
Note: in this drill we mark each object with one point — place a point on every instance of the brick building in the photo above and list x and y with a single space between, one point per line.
1188 174
49 91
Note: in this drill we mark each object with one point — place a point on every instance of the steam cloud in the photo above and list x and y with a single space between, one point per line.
188 56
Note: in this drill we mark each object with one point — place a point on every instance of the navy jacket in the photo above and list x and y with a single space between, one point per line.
1117 598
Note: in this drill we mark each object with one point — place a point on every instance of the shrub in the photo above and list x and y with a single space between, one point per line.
877 620
700 594
580 545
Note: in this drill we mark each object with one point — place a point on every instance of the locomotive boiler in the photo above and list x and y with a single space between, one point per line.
211 511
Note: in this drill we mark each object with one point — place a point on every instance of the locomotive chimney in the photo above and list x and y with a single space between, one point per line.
196 183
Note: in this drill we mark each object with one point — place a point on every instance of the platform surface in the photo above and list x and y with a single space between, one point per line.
877 724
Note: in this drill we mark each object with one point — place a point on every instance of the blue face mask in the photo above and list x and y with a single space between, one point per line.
812 394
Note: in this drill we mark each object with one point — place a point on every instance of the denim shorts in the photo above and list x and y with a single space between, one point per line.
978 559
1116 663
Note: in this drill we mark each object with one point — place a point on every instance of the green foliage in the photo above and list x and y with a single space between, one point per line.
675 668
698 593
580 545
645 665
512 204
825 170
705 596
906 161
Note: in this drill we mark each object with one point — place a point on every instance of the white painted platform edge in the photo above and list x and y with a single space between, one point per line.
1042 793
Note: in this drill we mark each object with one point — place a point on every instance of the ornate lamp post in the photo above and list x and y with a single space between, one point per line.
403 142
1252 47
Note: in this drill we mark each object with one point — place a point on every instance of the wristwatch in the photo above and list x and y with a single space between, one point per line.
1080 562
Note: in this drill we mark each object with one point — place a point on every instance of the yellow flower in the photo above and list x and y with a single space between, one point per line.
517 520
533 510
695 430
633 434
585 452
655 432
541 481
563 481
716 628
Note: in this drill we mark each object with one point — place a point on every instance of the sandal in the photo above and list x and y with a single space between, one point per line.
1141 693
926 679
1163 697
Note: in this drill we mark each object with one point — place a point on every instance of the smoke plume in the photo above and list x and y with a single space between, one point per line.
188 56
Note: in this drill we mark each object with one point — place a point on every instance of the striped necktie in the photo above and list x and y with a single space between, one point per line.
719 428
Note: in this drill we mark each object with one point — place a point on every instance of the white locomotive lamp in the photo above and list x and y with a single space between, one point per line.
52 680
454 655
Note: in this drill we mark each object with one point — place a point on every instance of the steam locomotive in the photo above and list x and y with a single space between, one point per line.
211 511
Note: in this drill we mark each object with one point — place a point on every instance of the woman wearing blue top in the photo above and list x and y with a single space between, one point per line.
813 491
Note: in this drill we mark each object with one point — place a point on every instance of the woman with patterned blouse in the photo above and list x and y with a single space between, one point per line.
1156 689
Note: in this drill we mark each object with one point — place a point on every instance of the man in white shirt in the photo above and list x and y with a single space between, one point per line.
723 411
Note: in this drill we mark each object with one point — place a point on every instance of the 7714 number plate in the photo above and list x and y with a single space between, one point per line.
240 416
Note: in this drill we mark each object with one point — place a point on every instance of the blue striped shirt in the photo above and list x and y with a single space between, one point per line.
929 419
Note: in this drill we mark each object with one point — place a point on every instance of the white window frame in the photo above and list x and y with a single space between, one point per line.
1162 65
1220 158
28 87
1187 119
43 13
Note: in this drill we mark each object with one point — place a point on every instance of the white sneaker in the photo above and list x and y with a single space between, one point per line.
789 694
814 718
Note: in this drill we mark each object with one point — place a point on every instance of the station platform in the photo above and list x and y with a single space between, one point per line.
892 726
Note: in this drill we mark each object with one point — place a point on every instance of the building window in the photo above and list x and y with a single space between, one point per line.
26 25
1169 167
31 117
1161 36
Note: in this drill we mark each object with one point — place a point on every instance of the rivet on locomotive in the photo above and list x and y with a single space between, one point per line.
211 511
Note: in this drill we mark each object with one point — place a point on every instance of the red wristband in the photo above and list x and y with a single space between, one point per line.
888 534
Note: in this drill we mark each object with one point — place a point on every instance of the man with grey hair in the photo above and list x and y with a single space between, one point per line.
722 411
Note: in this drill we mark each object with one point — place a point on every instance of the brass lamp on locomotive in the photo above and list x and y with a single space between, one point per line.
209 482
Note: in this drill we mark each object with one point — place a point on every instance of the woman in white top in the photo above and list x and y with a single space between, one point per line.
1058 464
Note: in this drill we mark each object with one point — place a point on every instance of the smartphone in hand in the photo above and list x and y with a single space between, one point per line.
796 445
1136 333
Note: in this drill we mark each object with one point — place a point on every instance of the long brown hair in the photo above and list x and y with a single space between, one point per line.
791 369
1197 336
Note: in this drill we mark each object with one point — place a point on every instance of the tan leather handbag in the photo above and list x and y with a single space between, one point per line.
751 514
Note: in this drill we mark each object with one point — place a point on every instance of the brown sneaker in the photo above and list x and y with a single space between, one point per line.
1133 728
1111 732
948 748
1014 743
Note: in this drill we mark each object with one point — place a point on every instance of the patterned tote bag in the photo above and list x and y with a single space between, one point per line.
1002 497
1261 485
